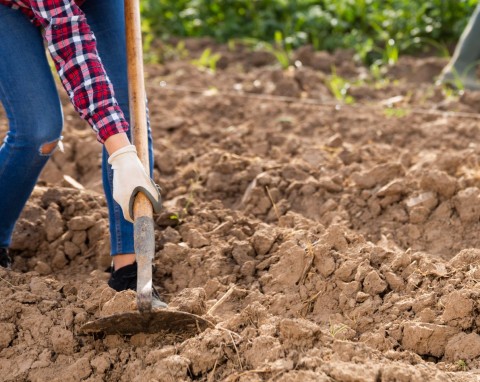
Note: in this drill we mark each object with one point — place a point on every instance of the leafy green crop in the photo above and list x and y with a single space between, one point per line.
376 29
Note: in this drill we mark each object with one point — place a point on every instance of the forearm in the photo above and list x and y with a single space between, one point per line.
73 49
115 142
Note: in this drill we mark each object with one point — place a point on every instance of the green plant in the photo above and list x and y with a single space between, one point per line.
462 365
395 112
281 52
451 92
339 87
367 26
336 329
177 51
391 52
207 60
189 201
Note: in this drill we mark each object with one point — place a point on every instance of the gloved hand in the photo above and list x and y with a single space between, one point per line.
130 178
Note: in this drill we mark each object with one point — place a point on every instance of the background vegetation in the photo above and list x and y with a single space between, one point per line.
375 29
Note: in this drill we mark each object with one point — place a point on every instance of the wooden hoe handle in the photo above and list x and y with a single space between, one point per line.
144 236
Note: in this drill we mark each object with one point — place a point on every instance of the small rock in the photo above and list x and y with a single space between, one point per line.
166 161
71 250
440 182
379 175
349 289
43 268
242 252
427 339
458 309
97 232
39 287
346 271
426 315
171 368
100 364
324 260
81 223
263 241
264 349
7 334
303 376
81 369
79 237
419 215
204 352
62 340
248 268
55 226
394 281
427 200
363 269
345 371
298 332
156 355
334 141
329 185
463 346
170 123
467 204
373 283
361 297
401 373
124 301
175 252
466 258
171 235
329 205
195 239
395 187
190 300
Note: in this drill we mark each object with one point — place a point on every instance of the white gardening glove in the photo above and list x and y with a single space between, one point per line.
130 178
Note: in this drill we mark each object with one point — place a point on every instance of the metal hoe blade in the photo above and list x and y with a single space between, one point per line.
176 324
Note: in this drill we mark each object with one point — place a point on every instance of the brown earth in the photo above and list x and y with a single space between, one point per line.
346 237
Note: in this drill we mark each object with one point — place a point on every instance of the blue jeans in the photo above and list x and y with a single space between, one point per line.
29 97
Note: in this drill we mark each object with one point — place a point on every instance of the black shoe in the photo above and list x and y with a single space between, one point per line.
5 259
126 278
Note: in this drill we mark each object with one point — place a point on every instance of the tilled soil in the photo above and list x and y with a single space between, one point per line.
326 242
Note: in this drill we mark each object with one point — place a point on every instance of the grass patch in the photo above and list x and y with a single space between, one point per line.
376 30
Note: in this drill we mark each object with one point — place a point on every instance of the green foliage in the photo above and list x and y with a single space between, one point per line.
336 329
462 365
281 52
339 87
395 112
207 60
376 29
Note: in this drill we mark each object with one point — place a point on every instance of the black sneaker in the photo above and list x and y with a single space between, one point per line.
5 259
126 278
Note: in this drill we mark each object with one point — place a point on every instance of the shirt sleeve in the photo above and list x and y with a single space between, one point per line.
73 48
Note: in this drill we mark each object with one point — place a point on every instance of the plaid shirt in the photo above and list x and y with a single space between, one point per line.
73 49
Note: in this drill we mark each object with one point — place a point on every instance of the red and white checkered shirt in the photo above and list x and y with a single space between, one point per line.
73 49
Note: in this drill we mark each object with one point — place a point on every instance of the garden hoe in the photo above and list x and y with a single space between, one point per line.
174 324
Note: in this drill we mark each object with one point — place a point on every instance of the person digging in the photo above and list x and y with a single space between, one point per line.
86 40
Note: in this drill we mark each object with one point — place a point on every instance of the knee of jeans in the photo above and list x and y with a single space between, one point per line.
48 134
48 148
39 131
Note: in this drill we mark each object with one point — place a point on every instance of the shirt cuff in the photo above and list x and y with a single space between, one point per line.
108 122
